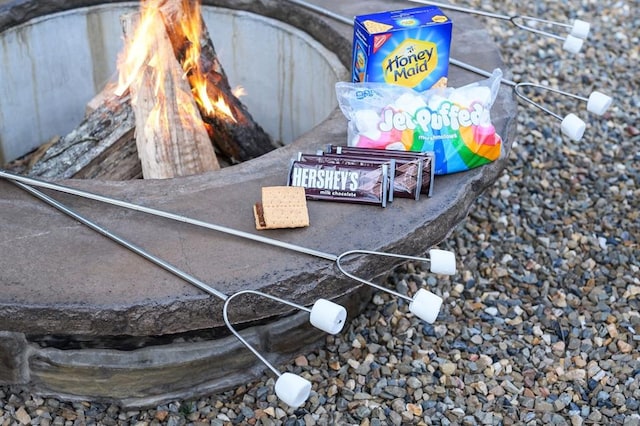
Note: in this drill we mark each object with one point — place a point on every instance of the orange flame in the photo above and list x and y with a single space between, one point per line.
192 26
141 51
137 52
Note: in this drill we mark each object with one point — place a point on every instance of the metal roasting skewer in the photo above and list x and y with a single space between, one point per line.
573 42
225 316
367 252
441 261
185 219
325 315
164 214
134 248
579 30
517 90
347 21
335 323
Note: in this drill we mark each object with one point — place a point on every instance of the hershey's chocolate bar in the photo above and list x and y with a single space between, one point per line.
407 173
341 182
349 161
428 160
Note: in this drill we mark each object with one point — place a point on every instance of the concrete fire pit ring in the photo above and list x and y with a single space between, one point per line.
81 317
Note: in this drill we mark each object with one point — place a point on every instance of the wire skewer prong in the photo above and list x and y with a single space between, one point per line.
573 41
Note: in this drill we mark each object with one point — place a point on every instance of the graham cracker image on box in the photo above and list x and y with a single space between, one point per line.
376 27
281 207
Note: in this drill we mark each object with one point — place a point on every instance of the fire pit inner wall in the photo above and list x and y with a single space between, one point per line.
53 65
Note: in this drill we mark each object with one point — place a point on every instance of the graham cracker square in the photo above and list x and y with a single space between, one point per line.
281 207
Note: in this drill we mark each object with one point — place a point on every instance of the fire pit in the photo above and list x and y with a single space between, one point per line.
82 318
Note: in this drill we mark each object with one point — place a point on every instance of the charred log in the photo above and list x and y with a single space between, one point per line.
236 136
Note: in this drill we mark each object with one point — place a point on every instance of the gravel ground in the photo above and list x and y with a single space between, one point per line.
540 326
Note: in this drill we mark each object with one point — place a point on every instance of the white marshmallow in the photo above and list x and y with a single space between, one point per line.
328 316
426 305
465 96
573 127
442 262
292 389
408 102
580 29
435 101
598 102
366 120
572 44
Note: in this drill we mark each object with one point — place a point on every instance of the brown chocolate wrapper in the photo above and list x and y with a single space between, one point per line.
341 182
348 161
407 173
428 160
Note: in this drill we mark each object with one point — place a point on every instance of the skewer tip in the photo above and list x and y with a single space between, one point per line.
580 29
292 389
573 127
572 44
598 102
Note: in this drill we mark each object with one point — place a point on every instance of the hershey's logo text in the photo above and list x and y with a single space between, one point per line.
336 180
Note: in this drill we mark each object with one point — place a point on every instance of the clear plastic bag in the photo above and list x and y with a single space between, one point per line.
454 123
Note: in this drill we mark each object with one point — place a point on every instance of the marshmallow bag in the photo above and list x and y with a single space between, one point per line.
455 124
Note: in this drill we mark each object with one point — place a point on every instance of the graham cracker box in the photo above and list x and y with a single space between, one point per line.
408 47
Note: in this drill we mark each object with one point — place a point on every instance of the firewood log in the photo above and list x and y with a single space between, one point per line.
106 130
171 138
239 138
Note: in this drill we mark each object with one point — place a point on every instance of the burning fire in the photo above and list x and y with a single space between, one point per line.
192 26
142 52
